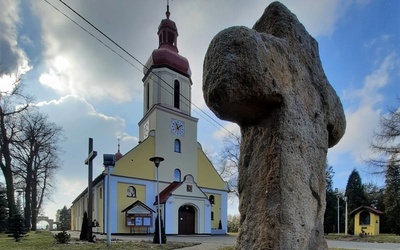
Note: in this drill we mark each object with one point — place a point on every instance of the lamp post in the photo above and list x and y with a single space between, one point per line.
338 212
345 225
108 162
157 161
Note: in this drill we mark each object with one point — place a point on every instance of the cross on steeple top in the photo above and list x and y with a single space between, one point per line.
167 13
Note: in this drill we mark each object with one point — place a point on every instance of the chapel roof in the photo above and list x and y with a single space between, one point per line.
367 208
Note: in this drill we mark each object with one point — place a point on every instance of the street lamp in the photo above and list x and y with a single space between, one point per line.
345 225
108 162
338 217
157 160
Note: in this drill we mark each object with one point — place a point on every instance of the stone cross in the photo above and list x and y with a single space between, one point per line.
89 162
270 81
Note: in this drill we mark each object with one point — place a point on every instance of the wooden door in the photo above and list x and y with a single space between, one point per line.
186 220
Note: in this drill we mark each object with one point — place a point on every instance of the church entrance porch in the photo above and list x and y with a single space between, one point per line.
186 219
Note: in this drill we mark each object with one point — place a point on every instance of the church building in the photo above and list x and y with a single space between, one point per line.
193 196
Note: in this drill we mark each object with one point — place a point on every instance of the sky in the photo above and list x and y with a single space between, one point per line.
94 92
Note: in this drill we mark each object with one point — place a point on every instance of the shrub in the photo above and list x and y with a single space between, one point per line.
62 237
233 223
84 228
156 239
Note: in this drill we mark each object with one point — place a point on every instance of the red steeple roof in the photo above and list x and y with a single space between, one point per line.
167 53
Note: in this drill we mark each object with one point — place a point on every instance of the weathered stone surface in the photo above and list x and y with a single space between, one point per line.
270 81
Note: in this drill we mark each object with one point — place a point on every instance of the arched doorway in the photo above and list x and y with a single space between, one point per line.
186 220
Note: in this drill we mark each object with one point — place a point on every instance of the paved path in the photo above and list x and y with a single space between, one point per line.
216 242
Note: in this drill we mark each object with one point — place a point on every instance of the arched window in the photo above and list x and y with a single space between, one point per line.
131 192
177 146
364 218
212 215
177 93
177 175
147 96
211 199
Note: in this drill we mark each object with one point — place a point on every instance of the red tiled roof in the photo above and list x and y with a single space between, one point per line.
166 193
368 208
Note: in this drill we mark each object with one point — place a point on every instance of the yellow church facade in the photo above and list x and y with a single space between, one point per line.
193 196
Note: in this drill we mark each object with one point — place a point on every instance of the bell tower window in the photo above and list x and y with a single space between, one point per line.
147 97
171 38
177 94
177 146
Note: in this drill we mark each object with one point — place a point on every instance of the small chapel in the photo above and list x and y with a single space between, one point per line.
193 196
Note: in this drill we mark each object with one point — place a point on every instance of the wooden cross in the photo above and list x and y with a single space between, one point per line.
89 162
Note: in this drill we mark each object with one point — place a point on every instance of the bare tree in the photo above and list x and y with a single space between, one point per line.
229 162
12 104
387 141
35 151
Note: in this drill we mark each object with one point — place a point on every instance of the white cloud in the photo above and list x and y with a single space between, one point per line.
13 60
78 64
223 132
80 121
363 120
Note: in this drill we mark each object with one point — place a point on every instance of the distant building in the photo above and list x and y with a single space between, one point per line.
366 220
193 196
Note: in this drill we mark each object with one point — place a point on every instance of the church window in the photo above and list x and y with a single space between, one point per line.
189 188
211 199
101 193
131 192
212 215
364 218
177 94
177 175
177 146
147 96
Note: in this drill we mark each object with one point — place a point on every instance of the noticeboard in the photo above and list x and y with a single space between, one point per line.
138 221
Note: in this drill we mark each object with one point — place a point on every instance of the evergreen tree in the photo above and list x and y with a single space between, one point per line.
84 228
356 196
156 238
330 216
355 191
392 198
17 226
65 219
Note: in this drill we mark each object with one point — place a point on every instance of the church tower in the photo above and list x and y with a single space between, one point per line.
167 105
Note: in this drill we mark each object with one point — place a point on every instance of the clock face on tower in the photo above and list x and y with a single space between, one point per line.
177 127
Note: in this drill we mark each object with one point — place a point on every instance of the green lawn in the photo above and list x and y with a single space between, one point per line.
45 240
382 238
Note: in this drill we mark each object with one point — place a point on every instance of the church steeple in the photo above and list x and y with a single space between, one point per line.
118 155
167 54
167 83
